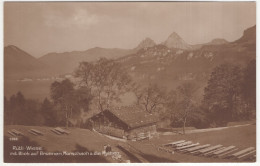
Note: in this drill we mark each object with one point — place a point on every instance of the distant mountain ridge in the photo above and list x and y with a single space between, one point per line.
170 67
174 41
217 41
18 63
67 62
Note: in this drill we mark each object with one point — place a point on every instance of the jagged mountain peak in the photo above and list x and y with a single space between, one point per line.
174 35
147 42
175 41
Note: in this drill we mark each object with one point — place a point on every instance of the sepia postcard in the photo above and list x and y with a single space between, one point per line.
129 82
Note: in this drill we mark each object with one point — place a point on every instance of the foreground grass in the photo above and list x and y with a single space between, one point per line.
86 140
241 137
79 140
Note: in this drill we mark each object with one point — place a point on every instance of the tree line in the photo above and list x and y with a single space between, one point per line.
230 95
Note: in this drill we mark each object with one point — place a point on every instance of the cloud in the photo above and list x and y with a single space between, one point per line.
80 18
66 26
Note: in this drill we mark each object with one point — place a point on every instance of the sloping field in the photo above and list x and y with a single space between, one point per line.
78 140
241 137
83 140
53 142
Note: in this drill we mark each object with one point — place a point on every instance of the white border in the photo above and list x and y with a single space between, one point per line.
97 164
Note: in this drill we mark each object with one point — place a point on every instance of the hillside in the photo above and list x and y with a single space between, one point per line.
83 140
249 36
20 64
217 41
170 67
147 63
66 62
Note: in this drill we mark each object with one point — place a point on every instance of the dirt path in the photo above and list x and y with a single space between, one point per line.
203 130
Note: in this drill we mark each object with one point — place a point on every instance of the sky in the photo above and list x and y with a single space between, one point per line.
43 27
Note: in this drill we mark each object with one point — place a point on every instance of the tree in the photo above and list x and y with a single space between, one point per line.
185 105
31 113
70 100
19 111
151 98
7 111
83 98
222 96
249 88
106 80
62 95
12 109
17 107
49 113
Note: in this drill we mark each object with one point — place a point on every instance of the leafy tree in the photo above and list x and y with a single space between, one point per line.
19 110
199 118
185 105
70 100
12 110
222 96
106 80
182 109
62 95
170 105
249 88
31 113
83 98
7 111
20 98
49 113
17 107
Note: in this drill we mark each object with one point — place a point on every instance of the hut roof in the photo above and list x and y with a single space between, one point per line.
134 116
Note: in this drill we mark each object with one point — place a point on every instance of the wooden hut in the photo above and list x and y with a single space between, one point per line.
126 122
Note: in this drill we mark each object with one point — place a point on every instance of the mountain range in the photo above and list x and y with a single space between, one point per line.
170 67
19 64
62 63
